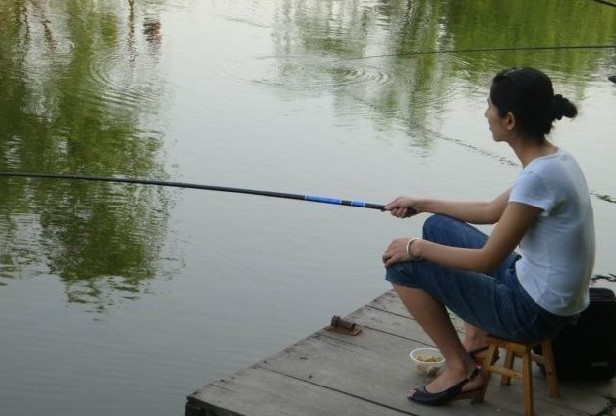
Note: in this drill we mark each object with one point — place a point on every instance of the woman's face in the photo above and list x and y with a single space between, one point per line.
496 123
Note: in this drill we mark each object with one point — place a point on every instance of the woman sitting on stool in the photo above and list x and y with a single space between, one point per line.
547 212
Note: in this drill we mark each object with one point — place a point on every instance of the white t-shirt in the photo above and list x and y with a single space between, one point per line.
558 252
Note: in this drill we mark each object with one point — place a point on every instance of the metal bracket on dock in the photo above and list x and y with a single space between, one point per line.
343 326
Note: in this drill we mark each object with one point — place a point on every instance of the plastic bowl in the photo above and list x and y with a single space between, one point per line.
427 360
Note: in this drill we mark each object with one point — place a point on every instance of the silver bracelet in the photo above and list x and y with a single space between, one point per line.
408 250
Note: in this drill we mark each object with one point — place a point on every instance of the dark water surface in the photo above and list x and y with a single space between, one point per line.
122 299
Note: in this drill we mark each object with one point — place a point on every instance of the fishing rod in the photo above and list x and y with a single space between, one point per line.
607 3
488 49
309 198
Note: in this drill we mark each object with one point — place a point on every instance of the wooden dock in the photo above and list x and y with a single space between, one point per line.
336 374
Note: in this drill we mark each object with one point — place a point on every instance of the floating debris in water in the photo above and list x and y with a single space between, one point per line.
606 198
610 277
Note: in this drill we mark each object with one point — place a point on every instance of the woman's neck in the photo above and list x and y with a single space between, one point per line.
528 149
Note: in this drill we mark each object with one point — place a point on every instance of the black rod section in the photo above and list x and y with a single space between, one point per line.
320 199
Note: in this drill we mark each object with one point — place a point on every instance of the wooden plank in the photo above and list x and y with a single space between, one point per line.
382 375
376 367
590 393
259 392
328 372
389 302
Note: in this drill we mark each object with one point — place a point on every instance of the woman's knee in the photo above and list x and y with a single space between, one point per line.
449 231
397 274
435 225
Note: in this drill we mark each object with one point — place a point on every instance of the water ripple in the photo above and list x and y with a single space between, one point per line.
114 83
308 74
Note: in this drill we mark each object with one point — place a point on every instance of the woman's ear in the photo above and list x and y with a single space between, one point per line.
509 121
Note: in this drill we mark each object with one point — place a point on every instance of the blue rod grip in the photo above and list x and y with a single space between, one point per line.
323 200
334 201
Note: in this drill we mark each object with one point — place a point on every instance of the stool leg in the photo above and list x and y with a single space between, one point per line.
550 368
509 357
527 380
486 373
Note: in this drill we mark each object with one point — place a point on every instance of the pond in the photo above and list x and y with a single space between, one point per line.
123 299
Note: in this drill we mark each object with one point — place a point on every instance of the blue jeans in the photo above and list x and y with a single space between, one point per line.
494 302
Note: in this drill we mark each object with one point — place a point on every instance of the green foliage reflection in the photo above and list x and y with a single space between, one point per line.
72 100
400 39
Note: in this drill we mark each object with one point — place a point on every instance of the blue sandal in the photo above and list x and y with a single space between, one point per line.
423 396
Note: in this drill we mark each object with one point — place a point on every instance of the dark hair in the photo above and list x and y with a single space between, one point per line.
528 94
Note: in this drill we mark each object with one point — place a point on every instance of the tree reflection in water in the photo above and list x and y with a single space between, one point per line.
76 99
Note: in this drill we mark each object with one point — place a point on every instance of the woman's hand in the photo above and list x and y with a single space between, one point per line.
402 207
397 252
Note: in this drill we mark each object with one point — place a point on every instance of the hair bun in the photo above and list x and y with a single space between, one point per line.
560 106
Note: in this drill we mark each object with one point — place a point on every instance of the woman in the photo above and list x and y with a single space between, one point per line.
547 212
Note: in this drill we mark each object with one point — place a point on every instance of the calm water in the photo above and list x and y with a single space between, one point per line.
122 299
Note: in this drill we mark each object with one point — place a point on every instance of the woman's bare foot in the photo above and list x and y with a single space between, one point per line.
476 345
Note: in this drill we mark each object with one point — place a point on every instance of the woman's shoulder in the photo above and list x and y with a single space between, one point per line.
560 159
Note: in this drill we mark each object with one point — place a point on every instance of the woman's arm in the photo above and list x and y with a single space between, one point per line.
472 212
515 221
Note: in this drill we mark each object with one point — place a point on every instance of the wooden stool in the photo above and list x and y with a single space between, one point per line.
524 351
